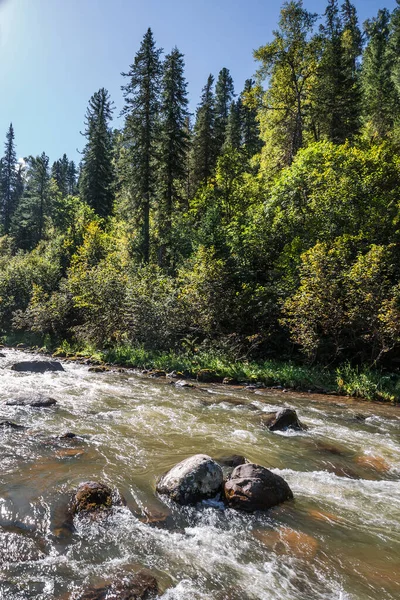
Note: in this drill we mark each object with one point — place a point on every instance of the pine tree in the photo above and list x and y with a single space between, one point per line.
233 138
394 46
203 139
224 94
8 181
380 99
72 175
173 144
250 124
34 208
96 185
59 172
141 131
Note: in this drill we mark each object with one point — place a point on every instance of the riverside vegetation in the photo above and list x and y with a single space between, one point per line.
260 241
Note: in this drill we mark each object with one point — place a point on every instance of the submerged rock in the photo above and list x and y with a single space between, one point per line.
92 497
34 401
232 461
37 366
288 541
192 480
285 418
182 383
11 425
143 586
208 376
252 487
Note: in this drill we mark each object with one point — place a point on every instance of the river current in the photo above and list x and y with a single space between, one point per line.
338 539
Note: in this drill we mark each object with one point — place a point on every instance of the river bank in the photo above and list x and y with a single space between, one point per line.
357 382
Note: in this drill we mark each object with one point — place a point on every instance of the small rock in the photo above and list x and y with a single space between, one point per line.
158 373
67 436
36 401
252 487
2 355
285 418
37 366
192 480
232 461
208 376
230 381
97 369
92 496
11 425
181 383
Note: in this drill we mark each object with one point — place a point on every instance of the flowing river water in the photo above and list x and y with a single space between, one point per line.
338 539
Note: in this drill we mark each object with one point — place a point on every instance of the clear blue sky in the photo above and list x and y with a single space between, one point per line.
54 54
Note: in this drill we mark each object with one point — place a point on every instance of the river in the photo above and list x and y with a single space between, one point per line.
338 539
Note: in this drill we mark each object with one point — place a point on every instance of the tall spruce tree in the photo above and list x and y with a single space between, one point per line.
233 138
97 178
380 98
141 132
203 139
72 175
34 208
8 181
224 94
249 115
59 172
174 143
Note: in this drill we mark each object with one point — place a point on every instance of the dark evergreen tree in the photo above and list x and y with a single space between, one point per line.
380 98
233 138
250 125
203 139
72 176
34 208
97 178
173 145
337 102
8 181
59 172
141 132
224 94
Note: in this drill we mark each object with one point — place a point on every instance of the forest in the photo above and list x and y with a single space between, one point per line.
258 237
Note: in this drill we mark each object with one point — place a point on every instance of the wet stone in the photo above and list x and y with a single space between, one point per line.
37 366
285 418
92 497
233 460
34 401
143 586
194 479
252 487
11 425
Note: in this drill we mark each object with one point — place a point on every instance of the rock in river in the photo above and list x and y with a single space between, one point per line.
285 418
34 401
37 366
192 480
92 496
143 586
252 487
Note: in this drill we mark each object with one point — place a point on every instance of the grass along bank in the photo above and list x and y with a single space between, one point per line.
359 382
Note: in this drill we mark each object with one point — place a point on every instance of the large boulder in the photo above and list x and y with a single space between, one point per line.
92 497
34 401
285 418
252 487
192 480
37 366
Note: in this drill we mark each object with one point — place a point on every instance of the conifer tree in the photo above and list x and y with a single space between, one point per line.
34 208
96 184
233 138
380 99
203 139
249 116
8 181
224 94
141 131
173 144
72 175
59 172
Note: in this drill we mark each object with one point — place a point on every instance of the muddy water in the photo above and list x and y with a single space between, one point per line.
339 538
